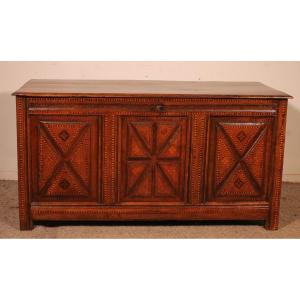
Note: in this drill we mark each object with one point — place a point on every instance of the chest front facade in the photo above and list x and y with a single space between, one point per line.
150 159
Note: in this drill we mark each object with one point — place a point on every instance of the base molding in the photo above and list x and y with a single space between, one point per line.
149 213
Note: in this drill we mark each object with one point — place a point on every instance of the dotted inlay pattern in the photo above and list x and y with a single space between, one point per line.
24 204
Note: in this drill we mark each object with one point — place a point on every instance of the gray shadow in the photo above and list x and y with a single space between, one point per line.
290 204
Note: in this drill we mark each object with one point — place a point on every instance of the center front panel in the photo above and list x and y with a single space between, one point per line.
153 160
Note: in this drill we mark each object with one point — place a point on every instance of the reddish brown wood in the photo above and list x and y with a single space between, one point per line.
101 88
154 161
42 213
23 168
272 222
135 150
239 149
64 158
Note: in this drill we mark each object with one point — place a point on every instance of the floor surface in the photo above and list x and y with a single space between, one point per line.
289 223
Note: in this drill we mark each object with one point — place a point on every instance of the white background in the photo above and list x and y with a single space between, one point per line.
149 30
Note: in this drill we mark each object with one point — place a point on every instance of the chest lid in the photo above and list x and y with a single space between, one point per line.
147 88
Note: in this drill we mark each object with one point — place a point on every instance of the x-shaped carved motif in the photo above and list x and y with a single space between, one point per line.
64 158
154 151
240 158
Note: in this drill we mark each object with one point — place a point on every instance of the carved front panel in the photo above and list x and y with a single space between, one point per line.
239 159
65 158
153 159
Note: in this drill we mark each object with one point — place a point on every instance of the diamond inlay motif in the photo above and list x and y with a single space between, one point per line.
64 135
64 184
238 183
241 136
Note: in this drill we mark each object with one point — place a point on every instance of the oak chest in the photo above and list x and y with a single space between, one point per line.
149 150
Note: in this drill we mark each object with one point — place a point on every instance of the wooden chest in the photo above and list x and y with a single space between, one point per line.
149 150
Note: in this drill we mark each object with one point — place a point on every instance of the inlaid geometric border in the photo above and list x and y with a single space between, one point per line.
24 201
39 101
273 222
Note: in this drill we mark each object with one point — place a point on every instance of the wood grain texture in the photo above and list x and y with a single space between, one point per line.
210 89
149 151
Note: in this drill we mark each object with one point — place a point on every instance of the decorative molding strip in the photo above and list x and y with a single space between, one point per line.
199 123
273 222
24 209
155 213
149 100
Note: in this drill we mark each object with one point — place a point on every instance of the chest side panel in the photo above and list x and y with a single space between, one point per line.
64 158
239 159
